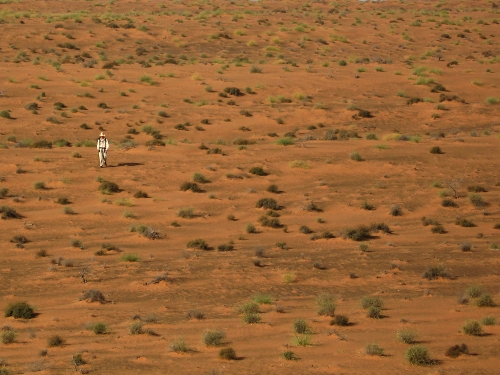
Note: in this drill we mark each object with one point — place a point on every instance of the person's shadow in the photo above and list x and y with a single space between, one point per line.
126 165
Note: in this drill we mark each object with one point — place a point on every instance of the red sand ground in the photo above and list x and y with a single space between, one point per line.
191 52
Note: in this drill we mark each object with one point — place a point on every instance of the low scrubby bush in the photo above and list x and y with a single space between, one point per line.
325 303
227 354
418 355
472 328
19 310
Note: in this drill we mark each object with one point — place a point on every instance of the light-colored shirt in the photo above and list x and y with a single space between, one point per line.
102 143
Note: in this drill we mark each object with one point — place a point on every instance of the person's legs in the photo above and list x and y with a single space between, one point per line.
102 160
105 156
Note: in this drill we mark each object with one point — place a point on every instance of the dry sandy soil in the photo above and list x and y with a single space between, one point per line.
339 103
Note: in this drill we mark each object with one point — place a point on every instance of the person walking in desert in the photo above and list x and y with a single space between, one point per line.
102 148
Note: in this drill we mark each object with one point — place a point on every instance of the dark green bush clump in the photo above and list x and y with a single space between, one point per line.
476 189
9 213
464 223
270 222
227 354
141 194
456 350
99 328
225 247
449 203
269 203
55 340
436 150
325 303
273 189
258 171
484 301
19 310
472 328
367 302
193 186
19 239
374 349
417 355
199 178
213 337
251 318
93 295
198 244
361 233
435 272
233 91
340 320
107 187
41 144
438 229
300 326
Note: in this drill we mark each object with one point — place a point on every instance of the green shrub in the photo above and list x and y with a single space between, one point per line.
19 310
55 340
39 185
418 355
484 301
325 303
9 213
447 202
288 355
300 326
258 171
8 337
249 308
355 156
374 312
179 346
361 233
199 178
227 354
198 244
476 189
250 228
489 321
263 299
5 114
367 302
472 328
41 144
435 272
302 340
213 337
269 203
436 150
135 328
374 349
286 141
93 295
251 318
407 336
474 291
140 194
340 320
130 257
477 200
186 213
456 350
371 137
193 186
464 223
99 328
107 187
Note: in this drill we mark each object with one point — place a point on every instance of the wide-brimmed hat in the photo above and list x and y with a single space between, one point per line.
102 135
